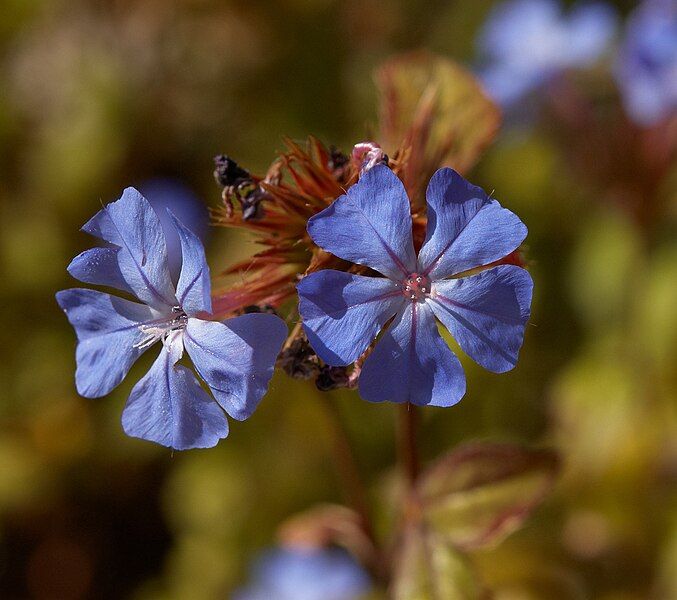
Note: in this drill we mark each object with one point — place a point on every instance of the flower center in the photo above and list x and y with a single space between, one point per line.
416 287
159 330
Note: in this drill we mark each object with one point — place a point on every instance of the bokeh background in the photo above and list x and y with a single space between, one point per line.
96 96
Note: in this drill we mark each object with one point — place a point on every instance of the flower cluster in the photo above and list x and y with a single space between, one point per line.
343 306
526 42
353 248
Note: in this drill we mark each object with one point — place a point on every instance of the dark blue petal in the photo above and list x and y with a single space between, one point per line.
465 228
194 287
412 363
131 224
169 407
108 328
342 313
236 358
486 314
99 266
370 225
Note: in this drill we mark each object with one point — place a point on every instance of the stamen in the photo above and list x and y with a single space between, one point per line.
416 287
154 332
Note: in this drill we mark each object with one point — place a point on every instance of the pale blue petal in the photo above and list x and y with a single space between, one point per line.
236 358
486 314
99 266
168 407
465 228
194 287
108 330
167 193
131 224
505 86
646 65
342 313
306 574
590 29
513 25
370 225
412 363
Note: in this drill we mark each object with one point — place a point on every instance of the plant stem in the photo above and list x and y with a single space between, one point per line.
407 443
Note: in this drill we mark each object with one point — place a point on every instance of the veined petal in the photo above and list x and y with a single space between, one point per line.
168 406
131 224
168 193
370 225
236 358
194 287
109 335
99 266
342 313
465 228
412 363
486 314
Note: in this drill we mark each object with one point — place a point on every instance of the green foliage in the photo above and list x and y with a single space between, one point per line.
430 568
478 494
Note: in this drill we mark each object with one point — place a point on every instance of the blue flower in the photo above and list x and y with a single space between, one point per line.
646 69
168 405
286 574
486 313
525 42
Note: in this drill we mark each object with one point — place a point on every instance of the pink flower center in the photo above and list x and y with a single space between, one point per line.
416 287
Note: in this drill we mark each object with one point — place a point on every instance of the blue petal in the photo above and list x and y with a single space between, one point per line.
305 574
236 358
167 193
342 313
647 61
512 26
465 228
590 30
108 330
412 363
506 86
194 287
370 225
99 266
168 406
131 224
486 314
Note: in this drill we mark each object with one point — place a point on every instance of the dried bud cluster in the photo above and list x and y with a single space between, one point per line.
298 359
238 184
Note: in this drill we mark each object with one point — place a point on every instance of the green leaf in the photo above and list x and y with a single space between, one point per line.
429 568
435 112
478 494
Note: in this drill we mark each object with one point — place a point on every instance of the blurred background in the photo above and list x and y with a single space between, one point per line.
96 96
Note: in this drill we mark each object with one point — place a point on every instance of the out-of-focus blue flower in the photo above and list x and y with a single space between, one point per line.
165 193
486 313
646 69
286 574
168 406
525 42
